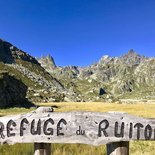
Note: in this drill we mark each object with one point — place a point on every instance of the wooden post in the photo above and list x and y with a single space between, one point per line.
43 148
118 148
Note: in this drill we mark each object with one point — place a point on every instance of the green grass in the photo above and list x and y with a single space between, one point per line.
136 147
17 149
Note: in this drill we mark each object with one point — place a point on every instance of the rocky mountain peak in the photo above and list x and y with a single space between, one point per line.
105 59
132 58
132 52
9 54
47 62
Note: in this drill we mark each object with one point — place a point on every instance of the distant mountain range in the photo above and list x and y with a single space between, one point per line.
111 79
130 76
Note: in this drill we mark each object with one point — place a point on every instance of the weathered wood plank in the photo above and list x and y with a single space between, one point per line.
75 127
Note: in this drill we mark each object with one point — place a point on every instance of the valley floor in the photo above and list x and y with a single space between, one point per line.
136 148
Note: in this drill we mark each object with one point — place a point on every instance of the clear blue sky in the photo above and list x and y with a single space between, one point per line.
79 32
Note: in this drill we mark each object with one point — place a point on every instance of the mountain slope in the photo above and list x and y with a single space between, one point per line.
25 68
130 76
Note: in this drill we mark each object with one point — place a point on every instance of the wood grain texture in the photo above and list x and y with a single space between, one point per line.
92 128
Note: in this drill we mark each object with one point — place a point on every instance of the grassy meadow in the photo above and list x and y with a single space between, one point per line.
136 147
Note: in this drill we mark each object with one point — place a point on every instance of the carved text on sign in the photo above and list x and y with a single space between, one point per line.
75 127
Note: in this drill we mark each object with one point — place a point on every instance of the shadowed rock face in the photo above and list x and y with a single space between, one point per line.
12 92
9 53
5 52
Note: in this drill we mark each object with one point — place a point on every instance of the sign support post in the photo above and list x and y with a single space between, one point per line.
118 148
43 148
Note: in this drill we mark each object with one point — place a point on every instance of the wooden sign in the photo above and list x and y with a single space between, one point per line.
75 127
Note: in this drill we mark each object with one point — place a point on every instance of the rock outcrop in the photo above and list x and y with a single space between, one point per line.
47 62
9 53
12 92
